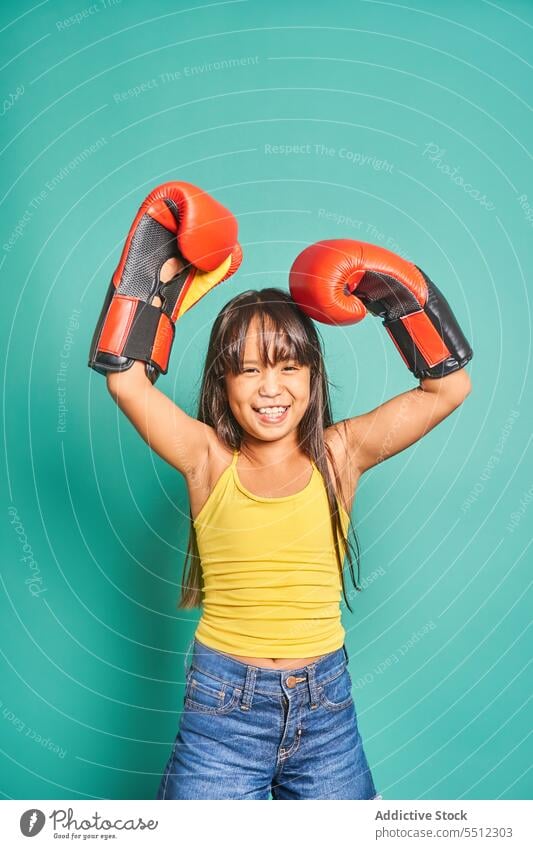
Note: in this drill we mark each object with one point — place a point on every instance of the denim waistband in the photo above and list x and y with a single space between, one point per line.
265 680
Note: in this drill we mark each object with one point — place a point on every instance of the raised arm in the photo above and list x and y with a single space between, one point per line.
182 243
336 281
177 220
176 437
372 437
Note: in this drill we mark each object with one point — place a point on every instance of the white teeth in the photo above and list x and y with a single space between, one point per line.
270 411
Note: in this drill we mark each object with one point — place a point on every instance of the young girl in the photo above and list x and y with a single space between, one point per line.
268 708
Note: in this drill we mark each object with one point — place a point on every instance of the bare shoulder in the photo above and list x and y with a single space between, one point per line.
202 478
179 439
335 437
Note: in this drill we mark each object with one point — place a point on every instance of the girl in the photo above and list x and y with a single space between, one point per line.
271 480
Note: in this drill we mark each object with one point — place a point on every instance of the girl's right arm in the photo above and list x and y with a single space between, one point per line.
181 244
178 438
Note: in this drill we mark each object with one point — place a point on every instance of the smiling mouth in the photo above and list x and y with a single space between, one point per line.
277 413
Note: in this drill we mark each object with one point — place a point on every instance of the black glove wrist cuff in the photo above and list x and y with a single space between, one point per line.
430 341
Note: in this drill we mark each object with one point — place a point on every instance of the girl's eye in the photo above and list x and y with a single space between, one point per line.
244 371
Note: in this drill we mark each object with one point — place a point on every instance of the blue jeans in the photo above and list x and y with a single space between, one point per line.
247 732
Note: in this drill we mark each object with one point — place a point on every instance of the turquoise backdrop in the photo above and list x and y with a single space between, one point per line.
404 125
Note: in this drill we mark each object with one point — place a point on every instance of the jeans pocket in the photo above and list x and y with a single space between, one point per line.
206 694
336 693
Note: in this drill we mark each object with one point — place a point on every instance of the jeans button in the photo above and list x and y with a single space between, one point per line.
292 680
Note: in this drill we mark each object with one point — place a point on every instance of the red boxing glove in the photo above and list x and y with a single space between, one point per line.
337 280
176 220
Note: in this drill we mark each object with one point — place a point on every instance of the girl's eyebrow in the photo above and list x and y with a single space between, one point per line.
255 362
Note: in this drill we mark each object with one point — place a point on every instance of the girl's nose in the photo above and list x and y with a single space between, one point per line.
270 383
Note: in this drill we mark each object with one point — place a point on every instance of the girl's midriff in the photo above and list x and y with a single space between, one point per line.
274 662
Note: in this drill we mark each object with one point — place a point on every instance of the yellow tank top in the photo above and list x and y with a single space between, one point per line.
271 581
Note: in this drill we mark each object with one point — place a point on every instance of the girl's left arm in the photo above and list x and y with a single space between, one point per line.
336 281
395 425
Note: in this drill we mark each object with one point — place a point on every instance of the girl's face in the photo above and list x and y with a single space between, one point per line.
285 384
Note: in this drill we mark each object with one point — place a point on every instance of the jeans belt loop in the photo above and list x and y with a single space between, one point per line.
186 661
246 700
313 686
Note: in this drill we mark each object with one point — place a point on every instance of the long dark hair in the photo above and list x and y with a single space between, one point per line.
294 336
